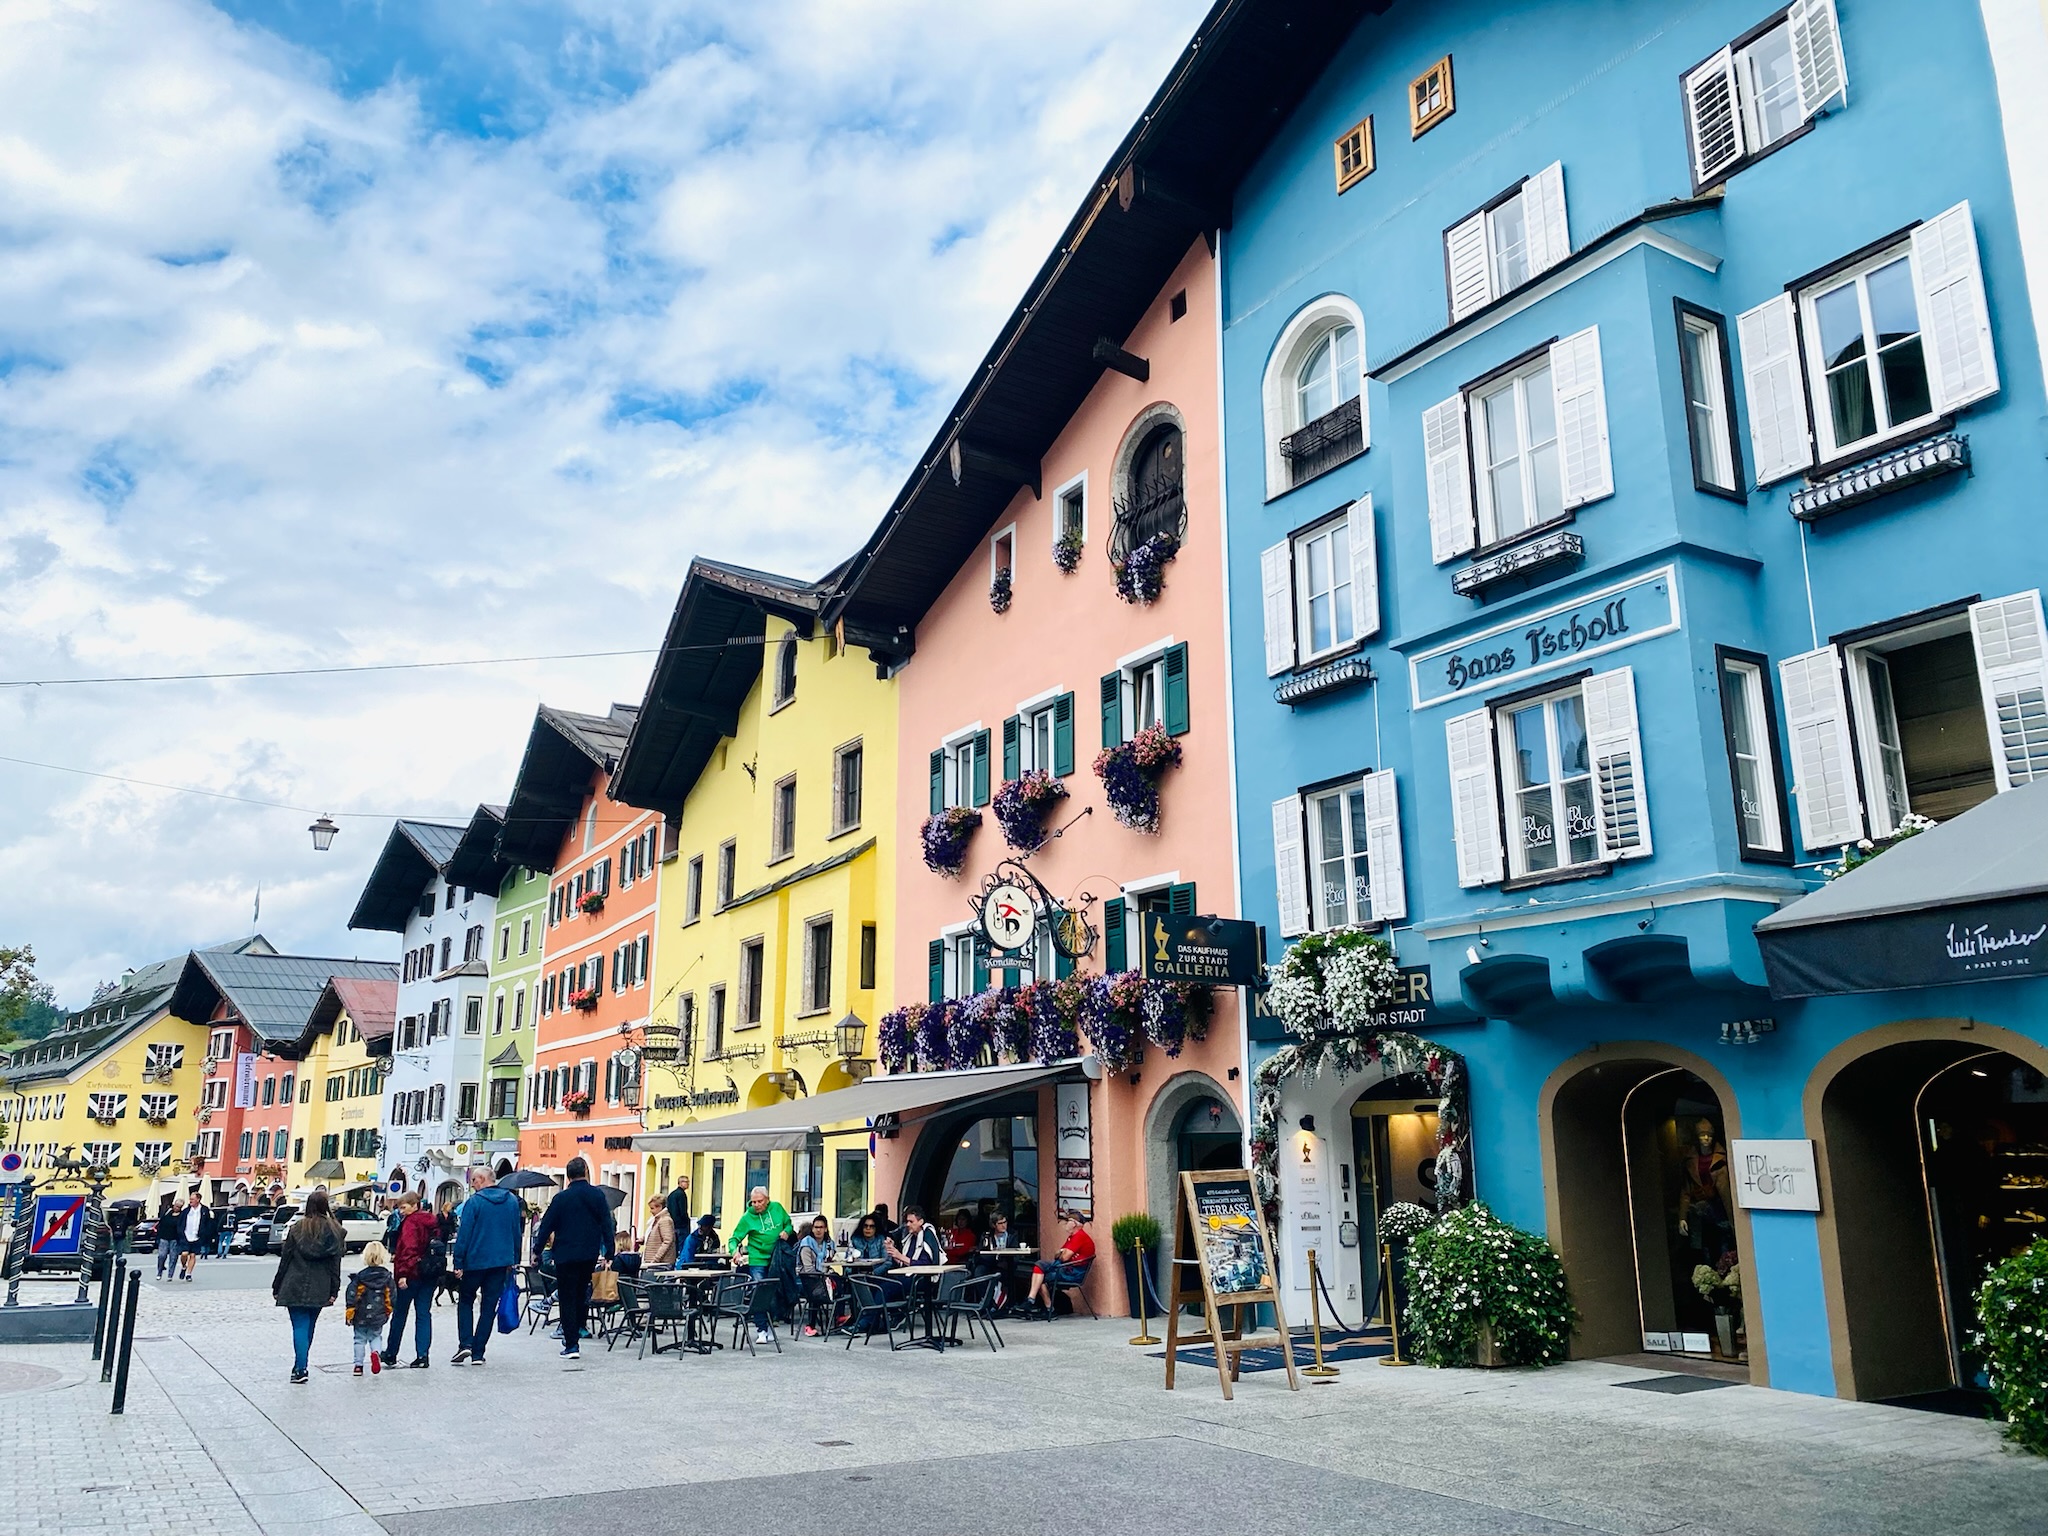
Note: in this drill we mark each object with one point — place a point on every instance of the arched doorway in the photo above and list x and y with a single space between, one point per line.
1393 1162
1206 1136
1929 1148
1643 1213
983 1160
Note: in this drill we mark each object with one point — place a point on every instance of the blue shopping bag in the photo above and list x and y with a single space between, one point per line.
508 1306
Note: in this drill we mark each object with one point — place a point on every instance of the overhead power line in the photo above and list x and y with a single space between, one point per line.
221 794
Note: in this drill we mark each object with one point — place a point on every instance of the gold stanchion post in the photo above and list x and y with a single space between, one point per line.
1315 1320
1393 1307
1144 1333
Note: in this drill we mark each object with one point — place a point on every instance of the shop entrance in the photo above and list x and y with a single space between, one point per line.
1393 1159
983 1161
1646 1217
1937 1165
1206 1137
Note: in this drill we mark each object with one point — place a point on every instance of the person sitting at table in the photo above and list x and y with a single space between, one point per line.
868 1241
883 1224
994 1256
961 1238
702 1243
920 1244
813 1268
1067 1268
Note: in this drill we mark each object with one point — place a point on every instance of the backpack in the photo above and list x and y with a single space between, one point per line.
365 1305
434 1262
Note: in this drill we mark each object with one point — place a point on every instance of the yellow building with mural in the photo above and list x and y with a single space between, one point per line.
340 1085
770 749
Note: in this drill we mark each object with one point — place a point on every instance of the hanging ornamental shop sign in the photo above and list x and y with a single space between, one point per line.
1008 911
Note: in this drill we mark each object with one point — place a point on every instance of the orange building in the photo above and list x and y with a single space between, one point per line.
597 957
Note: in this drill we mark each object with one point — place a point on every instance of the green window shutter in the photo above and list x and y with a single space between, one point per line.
980 966
1012 748
1112 708
937 959
1063 735
1176 710
981 768
938 782
1062 967
1113 936
1180 899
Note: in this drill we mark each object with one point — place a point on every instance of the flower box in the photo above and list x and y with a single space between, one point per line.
586 999
944 838
1130 774
1022 805
1066 554
1141 575
999 591
590 903
577 1103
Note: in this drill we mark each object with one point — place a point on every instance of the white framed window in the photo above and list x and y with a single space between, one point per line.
1340 873
961 769
785 671
525 935
1337 855
1752 756
1070 513
964 972
714 1021
1002 554
1325 588
1705 378
1314 394
1036 732
498 1014
472 1015
753 982
518 1008
693 889
1519 235
728 868
1515 453
1548 767
1763 88
1866 359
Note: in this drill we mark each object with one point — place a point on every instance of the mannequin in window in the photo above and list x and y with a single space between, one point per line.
1703 1199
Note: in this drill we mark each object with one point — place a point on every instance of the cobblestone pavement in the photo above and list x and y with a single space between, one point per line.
1066 1429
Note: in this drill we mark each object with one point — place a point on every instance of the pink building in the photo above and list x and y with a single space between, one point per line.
1022 657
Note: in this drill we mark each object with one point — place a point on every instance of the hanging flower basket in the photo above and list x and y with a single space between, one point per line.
898 1029
1174 1013
590 903
1022 806
970 1030
931 1041
1112 1017
1053 1009
586 999
577 1102
945 837
1333 982
1141 575
1130 774
1066 554
999 592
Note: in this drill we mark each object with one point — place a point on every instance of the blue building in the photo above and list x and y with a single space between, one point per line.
1634 460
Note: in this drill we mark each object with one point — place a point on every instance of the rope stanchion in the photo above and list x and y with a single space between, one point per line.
1319 1370
1393 1308
1144 1333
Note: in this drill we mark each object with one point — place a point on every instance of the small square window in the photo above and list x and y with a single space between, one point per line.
1354 152
1430 98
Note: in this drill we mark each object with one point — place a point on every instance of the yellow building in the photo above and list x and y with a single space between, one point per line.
341 1084
118 1081
770 749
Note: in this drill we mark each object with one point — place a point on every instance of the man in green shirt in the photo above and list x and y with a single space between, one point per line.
753 1243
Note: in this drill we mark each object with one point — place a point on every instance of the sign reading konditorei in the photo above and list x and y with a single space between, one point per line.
1774 1175
1542 642
1209 951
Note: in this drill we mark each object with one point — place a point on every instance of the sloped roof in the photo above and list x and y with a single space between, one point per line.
414 853
563 750
709 662
371 1004
273 994
508 1057
475 862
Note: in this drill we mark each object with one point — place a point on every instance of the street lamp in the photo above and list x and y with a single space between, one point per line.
323 832
852 1034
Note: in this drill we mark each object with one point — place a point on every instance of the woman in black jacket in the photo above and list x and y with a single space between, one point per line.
308 1274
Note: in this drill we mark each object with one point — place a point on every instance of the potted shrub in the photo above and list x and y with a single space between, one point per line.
1022 805
590 903
1483 1292
1130 774
2012 1335
1125 1234
944 839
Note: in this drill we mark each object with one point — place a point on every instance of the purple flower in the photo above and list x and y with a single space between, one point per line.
999 591
945 837
1130 774
968 1032
930 1039
893 1042
1021 805
1142 575
1111 1020
1066 554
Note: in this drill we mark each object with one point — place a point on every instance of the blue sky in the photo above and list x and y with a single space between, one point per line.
334 331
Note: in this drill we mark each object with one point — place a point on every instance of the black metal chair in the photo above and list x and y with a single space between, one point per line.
733 1302
630 1319
667 1307
973 1301
875 1306
1054 1290
540 1296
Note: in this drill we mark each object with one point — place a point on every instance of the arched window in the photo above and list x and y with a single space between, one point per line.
1151 484
1315 395
785 670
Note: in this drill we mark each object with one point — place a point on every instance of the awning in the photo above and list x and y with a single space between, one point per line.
789 1127
1964 901
326 1168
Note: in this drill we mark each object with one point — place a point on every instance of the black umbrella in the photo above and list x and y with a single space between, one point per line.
129 1203
526 1178
612 1197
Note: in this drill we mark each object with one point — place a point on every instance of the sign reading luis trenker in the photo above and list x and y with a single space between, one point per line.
1542 642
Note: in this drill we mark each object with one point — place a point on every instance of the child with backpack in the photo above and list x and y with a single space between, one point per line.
367 1305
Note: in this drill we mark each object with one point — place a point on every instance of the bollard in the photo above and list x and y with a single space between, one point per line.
1393 1308
127 1342
110 1285
92 1241
1315 1320
22 1233
1144 1333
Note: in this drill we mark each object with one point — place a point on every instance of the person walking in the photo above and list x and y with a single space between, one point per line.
195 1234
167 1240
487 1233
367 1306
414 1268
446 1220
753 1241
578 1227
308 1274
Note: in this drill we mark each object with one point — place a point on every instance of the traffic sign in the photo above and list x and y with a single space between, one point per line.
59 1227
13 1167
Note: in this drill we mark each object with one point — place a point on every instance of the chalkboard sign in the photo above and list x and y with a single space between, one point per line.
1223 1259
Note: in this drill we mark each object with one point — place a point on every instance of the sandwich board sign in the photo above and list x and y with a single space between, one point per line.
1221 1244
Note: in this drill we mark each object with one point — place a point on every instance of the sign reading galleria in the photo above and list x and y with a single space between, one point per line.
1557 637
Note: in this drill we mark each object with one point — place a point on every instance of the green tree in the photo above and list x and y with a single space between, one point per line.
28 1007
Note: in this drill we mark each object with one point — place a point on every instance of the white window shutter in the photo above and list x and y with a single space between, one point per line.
1817 55
1713 118
1616 744
1290 866
1276 575
1365 569
1452 531
1383 848
1468 266
1550 236
1780 432
1954 320
1475 797
1584 462
2012 667
1823 763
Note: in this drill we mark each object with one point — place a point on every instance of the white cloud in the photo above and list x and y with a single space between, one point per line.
295 369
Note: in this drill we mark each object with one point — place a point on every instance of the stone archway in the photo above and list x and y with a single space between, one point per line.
1879 1258
1179 1093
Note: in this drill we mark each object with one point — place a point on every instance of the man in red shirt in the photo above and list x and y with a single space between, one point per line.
1065 1269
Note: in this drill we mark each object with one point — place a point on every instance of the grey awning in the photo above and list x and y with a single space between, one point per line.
788 1127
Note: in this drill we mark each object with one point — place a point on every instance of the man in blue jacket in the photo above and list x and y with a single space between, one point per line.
488 1229
578 1222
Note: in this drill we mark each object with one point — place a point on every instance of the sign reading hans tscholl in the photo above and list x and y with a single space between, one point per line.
1208 951
1543 642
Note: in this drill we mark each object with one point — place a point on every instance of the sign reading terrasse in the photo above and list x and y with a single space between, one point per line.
1210 951
1543 642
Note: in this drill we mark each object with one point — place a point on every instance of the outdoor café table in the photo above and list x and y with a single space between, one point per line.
702 1340
926 1279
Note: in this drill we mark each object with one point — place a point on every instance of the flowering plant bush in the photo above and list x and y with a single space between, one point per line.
999 591
945 839
1130 774
892 1042
1112 1017
998 1025
585 998
1053 1009
2012 1335
1021 806
1336 980
931 1042
970 1031
1174 1013
1471 1269
577 1102
1404 1221
1141 574
1855 855
1066 554
1709 1278
590 902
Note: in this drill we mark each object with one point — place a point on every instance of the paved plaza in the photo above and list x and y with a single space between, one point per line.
1067 1429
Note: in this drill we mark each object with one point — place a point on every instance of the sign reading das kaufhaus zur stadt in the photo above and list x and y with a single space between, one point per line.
1209 951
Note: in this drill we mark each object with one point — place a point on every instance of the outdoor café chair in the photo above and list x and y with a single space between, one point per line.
733 1302
631 1315
875 1307
540 1297
1079 1296
975 1302
667 1307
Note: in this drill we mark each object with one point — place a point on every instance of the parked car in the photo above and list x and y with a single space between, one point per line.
265 1229
238 1222
360 1227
